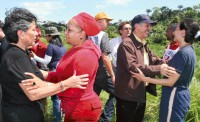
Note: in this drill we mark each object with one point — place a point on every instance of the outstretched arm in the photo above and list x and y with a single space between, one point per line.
43 89
170 81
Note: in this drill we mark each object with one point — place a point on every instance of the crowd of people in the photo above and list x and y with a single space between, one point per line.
124 67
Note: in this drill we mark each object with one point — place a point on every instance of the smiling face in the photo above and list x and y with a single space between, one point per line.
74 34
142 30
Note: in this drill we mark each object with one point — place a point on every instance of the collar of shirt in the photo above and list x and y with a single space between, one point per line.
146 57
142 41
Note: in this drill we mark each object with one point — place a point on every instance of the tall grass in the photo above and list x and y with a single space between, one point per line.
194 112
152 106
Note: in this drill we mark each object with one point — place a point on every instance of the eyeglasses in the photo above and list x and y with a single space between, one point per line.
126 28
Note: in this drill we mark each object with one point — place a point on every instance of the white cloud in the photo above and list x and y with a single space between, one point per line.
43 9
118 2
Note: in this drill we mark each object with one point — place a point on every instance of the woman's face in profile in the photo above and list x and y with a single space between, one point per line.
178 34
73 33
30 35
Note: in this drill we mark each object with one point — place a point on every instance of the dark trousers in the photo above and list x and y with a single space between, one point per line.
128 111
109 109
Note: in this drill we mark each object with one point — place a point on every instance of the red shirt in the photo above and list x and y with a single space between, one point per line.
39 49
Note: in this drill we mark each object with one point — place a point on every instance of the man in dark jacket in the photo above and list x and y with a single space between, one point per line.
133 53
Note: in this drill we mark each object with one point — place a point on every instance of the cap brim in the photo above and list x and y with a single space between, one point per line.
110 19
151 22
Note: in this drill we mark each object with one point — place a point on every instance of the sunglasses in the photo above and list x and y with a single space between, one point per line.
126 28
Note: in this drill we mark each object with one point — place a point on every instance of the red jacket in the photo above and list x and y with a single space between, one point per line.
83 60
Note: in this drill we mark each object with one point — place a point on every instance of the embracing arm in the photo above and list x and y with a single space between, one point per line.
170 81
44 89
42 92
129 55
164 82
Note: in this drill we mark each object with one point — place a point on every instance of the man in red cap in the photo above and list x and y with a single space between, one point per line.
105 76
39 48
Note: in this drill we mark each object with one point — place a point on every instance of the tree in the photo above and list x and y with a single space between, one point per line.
180 7
148 11
165 12
156 14
112 32
197 7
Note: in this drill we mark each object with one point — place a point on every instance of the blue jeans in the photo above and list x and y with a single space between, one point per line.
109 109
56 108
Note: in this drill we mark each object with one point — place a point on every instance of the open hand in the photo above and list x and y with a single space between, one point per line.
76 81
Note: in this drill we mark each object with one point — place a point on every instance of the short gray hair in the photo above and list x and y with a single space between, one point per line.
17 19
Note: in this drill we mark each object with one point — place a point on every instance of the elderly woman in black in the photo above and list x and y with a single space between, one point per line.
17 104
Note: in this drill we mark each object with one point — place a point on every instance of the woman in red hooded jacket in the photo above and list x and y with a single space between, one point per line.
77 104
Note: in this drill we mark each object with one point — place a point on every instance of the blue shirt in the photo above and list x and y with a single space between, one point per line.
184 62
56 53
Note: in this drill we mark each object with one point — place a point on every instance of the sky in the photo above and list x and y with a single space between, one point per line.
63 10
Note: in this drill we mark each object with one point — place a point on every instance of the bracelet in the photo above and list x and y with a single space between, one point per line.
61 86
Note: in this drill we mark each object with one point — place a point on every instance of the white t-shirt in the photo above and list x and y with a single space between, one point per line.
114 44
